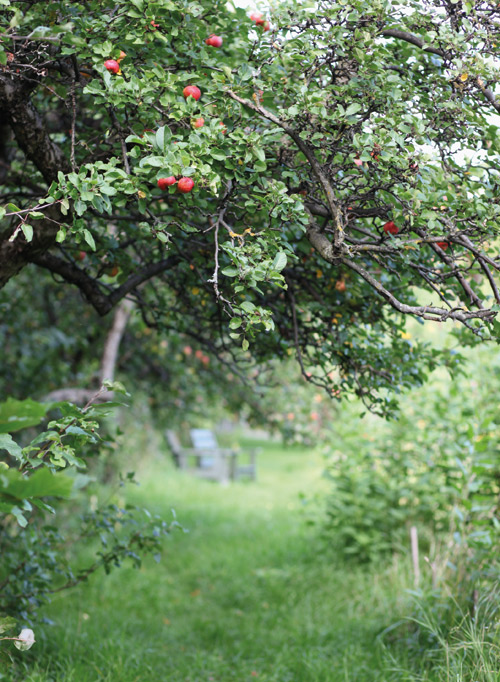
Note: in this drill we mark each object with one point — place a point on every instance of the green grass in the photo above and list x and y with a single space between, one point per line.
248 593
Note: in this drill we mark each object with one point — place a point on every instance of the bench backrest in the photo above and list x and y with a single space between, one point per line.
203 439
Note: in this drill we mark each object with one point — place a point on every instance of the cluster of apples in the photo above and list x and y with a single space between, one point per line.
260 20
184 185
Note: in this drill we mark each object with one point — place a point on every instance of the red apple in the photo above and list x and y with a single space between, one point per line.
199 122
114 271
442 245
358 162
81 255
112 65
155 26
340 285
164 183
185 185
192 91
224 129
266 26
214 41
390 228
122 56
258 17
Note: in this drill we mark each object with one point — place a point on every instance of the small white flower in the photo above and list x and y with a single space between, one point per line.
25 639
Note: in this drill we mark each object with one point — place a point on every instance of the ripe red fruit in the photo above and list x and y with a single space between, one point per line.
155 26
257 17
224 129
192 91
390 228
112 65
164 183
185 185
214 41
266 26
81 255
358 162
442 245
114 271
199 122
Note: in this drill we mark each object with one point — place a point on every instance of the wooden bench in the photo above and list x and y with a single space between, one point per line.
207 460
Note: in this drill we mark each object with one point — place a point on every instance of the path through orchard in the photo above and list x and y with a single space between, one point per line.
248 593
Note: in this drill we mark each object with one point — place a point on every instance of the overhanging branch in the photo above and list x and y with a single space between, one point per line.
91 289
313 162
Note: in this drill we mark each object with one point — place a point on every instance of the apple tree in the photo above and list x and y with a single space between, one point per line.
257 186
290 181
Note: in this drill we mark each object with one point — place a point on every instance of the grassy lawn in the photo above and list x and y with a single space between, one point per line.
248 593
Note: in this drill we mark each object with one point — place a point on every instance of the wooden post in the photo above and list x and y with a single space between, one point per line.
414 554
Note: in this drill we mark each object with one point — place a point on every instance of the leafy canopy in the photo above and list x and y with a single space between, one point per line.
319 128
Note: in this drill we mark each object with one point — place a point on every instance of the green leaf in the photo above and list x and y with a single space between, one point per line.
80 207
9 444
353 109
27 231
21 414
279 261
244 344
116 386
42 483
160 137
20 518
216 154
235 323
89 239
259 153
245 72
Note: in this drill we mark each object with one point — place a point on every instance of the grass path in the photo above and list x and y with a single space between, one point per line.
247 594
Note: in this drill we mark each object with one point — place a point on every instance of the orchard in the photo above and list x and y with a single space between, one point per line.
293 181
357 140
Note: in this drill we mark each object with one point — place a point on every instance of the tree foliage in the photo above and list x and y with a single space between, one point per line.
320 127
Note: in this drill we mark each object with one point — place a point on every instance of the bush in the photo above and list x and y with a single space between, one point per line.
436 468
40 480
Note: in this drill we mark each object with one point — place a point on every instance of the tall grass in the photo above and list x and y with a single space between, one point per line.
248 592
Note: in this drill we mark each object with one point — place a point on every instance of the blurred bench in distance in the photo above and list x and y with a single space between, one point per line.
206 459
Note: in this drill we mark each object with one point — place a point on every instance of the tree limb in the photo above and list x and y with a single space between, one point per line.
91 289
313 161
